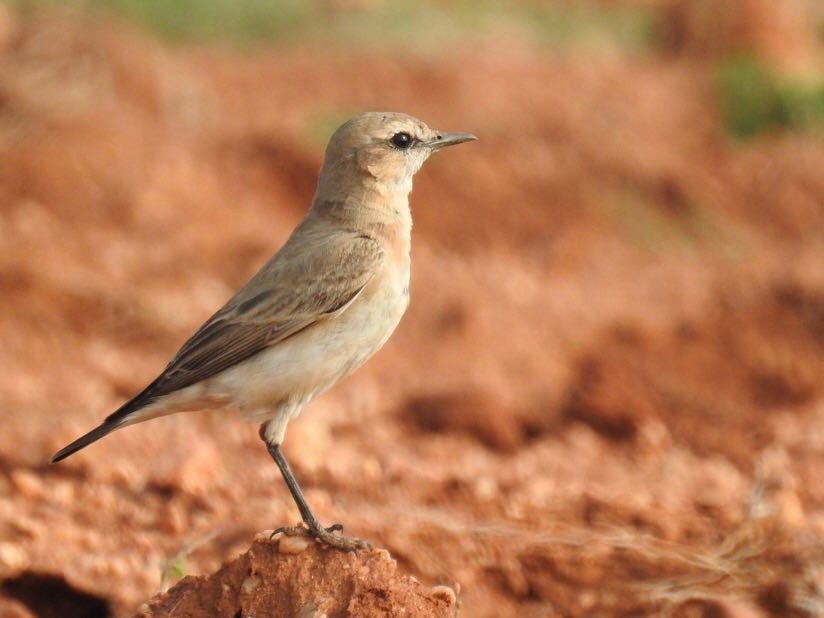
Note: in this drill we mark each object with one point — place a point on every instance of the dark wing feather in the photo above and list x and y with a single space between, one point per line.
304 283
313 276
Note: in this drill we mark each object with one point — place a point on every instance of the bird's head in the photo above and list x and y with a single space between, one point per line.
387 147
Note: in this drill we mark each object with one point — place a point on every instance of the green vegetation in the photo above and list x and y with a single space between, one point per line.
174 568
392 22
173 571
756 99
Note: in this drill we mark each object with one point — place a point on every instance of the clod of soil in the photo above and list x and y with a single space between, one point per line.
318 582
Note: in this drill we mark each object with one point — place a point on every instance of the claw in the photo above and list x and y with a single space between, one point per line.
289 531
338 540
325 536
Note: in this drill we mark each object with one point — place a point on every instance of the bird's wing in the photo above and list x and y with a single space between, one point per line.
304 283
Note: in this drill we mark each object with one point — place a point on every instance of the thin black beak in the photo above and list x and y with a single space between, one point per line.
449 139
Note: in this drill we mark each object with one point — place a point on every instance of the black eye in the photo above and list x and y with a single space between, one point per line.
402 140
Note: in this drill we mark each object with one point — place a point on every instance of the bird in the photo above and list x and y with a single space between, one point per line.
327 300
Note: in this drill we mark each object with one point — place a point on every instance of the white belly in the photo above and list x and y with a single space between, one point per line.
283 378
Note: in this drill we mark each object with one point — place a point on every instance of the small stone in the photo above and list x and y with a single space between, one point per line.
383 554
250 583
63 492
11 556
445 593
485 488
27 483
587 599
293 544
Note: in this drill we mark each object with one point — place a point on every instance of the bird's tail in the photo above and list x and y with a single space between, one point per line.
121 417
104 429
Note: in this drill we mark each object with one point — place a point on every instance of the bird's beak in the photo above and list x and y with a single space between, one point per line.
449 139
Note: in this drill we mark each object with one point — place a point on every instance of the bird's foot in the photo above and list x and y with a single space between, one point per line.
325 536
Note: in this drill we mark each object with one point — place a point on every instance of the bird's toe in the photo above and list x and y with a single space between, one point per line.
326 536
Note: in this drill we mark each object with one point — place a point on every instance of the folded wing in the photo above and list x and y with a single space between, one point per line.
312 278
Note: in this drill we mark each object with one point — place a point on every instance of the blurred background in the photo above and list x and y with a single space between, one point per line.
607 396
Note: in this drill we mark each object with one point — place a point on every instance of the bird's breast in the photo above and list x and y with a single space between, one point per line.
382 303
294 371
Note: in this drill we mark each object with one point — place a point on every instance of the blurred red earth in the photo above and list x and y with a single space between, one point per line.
606 398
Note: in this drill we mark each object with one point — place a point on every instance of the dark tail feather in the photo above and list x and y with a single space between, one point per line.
112 422
104 429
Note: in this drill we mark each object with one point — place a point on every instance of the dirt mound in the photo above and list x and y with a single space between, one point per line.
315 582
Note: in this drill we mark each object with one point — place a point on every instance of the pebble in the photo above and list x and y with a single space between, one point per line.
27 483
250 583
11 556
293 544
383 554
445 593
485 488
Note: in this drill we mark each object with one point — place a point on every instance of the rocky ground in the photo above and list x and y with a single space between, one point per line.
304 580
605 400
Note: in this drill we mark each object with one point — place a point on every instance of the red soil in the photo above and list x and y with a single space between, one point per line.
316 582
605 400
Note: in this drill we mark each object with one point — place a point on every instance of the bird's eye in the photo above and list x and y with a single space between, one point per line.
402 140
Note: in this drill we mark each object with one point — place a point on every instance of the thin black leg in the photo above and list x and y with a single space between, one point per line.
292 483
324 535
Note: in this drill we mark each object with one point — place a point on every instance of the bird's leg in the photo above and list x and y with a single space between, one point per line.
313 527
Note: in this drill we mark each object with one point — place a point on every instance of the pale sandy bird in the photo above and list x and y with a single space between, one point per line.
317 310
